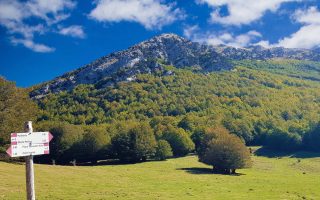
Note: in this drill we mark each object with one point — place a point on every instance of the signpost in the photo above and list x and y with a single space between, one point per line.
33 143
29 144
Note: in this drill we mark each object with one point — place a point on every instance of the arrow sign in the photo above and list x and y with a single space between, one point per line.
9 151
25 150
26 144
34 137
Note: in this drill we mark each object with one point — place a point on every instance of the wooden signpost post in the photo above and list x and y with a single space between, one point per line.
29 144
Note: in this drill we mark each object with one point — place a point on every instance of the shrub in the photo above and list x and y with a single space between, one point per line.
225 152
163 151
179 140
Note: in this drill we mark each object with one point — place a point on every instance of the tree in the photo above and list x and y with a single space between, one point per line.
15 108
65 136
311 140
282 140
91 147
179 140
206 138
136 144
163 150
225 152
187 123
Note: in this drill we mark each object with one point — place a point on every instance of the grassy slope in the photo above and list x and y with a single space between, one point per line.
182 178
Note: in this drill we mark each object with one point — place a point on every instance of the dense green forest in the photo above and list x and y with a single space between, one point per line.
274 103
246 101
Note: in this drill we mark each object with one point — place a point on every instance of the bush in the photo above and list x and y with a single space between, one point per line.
225 152
179 140
164 150
281 140
136 144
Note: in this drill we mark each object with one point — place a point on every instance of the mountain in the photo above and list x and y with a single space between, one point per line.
169 49
254 92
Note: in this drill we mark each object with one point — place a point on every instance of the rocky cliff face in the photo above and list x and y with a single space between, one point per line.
169 49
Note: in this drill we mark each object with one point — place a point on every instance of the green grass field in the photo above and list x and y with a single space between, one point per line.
182 178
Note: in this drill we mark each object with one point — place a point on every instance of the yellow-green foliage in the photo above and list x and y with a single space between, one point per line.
246 101
15 108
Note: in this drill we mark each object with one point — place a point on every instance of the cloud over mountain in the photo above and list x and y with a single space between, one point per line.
308 35
240 12
152 14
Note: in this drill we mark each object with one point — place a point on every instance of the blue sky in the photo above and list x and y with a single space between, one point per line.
42 39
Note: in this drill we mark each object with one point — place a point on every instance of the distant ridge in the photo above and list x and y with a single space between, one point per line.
169 49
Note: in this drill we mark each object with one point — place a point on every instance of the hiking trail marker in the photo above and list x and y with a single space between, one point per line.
29 144
26 144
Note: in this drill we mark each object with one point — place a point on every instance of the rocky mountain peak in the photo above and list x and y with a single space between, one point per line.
170 49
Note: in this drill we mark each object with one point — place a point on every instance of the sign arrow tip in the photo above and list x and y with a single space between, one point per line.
50 136
9 151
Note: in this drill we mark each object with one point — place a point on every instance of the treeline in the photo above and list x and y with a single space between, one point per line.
158 139
132 141
128 141
161 115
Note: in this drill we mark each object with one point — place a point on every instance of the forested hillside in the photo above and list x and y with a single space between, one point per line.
167 112
250 100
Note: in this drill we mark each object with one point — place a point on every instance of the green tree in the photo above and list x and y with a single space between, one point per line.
225 152
282 140
93 145
163 151
197 137
15 108
179 140
311 140
205 136
65 136
136 144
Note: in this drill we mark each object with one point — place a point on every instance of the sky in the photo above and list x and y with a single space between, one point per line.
43 39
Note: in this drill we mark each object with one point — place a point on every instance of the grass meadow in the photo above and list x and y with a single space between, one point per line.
271 177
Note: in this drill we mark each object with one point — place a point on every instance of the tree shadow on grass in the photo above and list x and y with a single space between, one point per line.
108 162
266 152
203 170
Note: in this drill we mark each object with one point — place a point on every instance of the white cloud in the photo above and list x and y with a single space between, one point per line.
73 31
49 10
41 48
264 43
241 11
152 14
308 35
11 10
309 16
194 33
190 30
15 15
